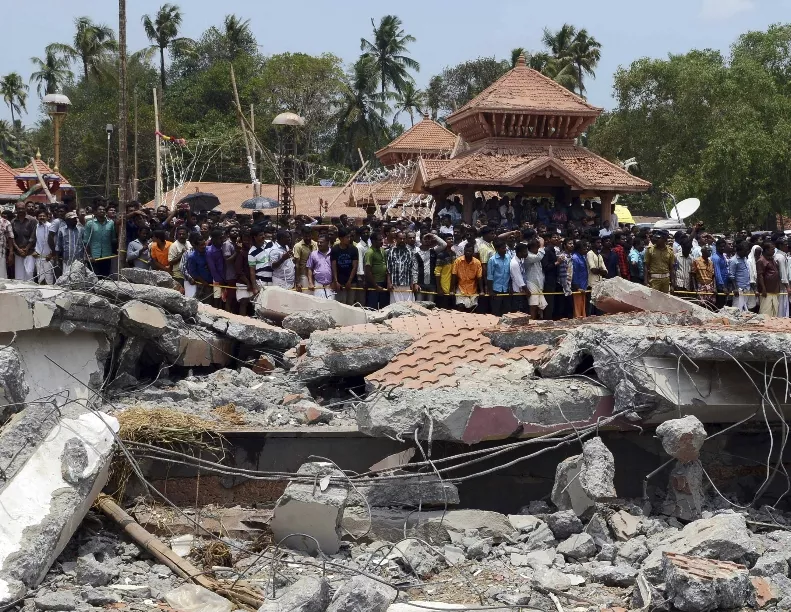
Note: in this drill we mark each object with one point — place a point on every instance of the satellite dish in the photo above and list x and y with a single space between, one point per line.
685 208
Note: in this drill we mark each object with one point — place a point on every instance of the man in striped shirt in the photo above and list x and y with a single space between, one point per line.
258 259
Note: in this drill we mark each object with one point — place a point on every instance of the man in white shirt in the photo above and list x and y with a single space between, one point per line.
781 258
363 244
282 259
45 270
518 283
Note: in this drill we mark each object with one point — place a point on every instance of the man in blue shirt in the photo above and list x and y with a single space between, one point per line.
579 279
739 276
498 278
720 272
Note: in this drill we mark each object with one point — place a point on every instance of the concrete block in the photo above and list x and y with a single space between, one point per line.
682 438
169 299
361 594
46 497
276 303
308 594
694 584
305 323
615 295
247 330
13 387
724 536
154 278
415 492
144 320
313 508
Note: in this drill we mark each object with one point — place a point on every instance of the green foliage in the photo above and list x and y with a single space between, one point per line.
92 43
163 31
459 84
702 125
53 72
388 51
361 120
14 92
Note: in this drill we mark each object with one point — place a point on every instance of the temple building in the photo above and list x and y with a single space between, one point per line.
23 184
519 135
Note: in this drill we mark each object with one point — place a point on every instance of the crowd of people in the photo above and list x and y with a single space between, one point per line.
515 256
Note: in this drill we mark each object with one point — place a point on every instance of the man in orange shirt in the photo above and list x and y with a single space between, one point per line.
159 251
467 279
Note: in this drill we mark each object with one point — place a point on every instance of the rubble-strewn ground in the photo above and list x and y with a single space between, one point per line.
423 377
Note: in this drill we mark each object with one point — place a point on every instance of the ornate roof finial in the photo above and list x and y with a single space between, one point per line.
426 116
521 61
38 154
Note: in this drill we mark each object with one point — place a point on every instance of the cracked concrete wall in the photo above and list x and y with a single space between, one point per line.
46 498
80 353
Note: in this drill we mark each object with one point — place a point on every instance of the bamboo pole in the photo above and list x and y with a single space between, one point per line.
178 564
158 178
40 178
346 186
123 135
240 114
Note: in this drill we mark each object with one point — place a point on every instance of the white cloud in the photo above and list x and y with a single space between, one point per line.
724 9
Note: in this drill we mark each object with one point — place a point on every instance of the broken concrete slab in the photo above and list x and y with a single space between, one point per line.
247 330
181 344
617 295
488 524
474 402
79 362
578 546
724 536
275 303
387 524
169 299
45 497
418 491
313 508
13 387
564 524
143 320
305 323
153 278
715 389
340 353
695 584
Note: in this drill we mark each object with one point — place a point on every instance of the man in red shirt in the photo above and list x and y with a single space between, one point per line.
617 248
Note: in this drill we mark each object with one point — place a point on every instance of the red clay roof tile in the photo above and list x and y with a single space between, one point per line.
524 89
425 138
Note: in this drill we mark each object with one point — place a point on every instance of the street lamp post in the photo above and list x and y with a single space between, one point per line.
57 107
290 122
107 184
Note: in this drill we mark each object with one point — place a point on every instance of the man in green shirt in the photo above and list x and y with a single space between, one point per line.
99 237
376 274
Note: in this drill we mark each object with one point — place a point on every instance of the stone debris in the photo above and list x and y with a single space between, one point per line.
308 594
694 584
362 594
582 480
683 438
312 508
305 323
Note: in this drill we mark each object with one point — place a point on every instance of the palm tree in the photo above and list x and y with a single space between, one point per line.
585 55
163 31
388 50
91 43
7 141
14 92
237 35
361 118
52 73
559 43
410 100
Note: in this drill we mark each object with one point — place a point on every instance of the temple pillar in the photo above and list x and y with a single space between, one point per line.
606 208
468 205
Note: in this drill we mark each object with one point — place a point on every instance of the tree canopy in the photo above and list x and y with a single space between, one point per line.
709 126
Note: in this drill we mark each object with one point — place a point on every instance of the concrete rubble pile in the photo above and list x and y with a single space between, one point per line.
433 383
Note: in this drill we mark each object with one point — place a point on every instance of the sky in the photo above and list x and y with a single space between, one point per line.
447 33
